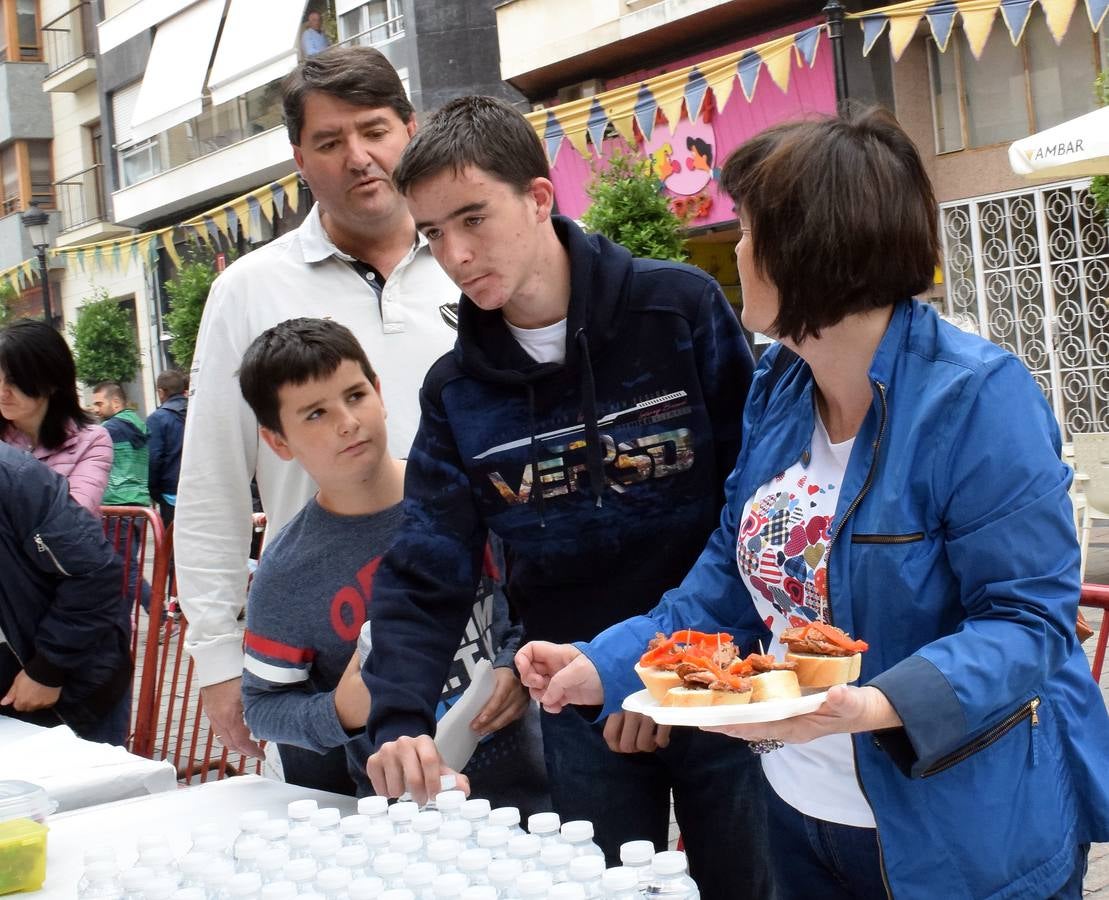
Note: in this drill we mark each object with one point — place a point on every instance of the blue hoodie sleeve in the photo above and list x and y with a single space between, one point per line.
424 588
156 445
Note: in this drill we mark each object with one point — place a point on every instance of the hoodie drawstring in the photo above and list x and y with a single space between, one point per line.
536 482
594 456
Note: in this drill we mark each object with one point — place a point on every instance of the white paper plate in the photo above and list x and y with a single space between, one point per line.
767 711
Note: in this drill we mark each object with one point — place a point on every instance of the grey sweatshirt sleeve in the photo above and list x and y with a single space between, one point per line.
291 713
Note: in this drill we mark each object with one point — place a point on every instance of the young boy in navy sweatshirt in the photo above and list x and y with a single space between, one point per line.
318 401
588 416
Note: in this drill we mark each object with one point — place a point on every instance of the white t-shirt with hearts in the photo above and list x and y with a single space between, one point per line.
782 556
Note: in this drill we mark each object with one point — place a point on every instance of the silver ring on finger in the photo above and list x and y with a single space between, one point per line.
766 745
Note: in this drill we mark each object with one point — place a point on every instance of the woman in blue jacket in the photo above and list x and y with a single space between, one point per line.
901 480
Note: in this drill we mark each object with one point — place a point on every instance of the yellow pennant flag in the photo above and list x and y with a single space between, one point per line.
977 22
292 191
1058 14
902 30
170 248
779 63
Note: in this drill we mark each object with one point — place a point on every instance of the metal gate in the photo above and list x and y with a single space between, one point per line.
1030 270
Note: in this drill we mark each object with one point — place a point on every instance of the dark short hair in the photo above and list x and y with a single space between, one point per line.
358 75
112 390
295 351
172 381
482 132
37 360
842 215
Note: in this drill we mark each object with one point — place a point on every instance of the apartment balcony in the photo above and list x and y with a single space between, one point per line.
70 43
546 45
83 209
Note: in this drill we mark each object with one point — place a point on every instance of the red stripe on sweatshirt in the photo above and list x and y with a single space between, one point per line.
277 650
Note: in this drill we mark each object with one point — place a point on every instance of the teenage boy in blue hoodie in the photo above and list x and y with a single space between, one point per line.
318 401
588 416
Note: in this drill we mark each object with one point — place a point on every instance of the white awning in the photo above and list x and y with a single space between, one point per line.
136 19
259 44
173 84
1070 150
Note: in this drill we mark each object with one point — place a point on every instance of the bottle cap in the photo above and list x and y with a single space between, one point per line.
189 893
407 842
324 818
300 838
252 820
523 846
365 888
355 824
447 782
300 870
244 884
146 841
492 836
273 860
274 830
378 834
449 801
419 875
389 865
503 872
325 846
449 885
669 862
301 810
403 811
620 879
156 857
566 891
427 821
373 806
637 853
353 856
250 847
556 855
159 888
578 830
135 879
586 868
479 892
193 864
457 830
475 809
279 890
534 884
508 816
442 850
543 823
476 859
332 879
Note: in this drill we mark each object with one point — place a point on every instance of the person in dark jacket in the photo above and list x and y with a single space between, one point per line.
588 416
64 624
166 426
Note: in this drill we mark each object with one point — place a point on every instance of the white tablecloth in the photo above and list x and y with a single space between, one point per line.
172 814
74 772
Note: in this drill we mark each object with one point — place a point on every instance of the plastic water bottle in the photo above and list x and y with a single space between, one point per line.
326 820
568 890
374 807
509 817
192 867
218 875
355 859
300 814
249 825
418 877
189 893
555 858
159 888
547 826
401 815
670 878
323 849
637 856
408 843
302 873
133 882
587 870
244 886
397 894
443 853
209 839
449 804
621 883
427 823
474 864
503 874
332 883
579 835
247 850
479 892
389 867
271 864
101 879
458 830
275 832
365 889
147 841
376 837
159 858
476 812
279 890
300 842
534 885
494 838
351 828
524 847
448 886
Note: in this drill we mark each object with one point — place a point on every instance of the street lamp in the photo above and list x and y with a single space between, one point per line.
36 221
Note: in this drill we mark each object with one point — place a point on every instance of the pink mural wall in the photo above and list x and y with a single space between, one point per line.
688 156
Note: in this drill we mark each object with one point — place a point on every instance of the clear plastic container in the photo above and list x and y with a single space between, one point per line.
568 890
503 873
324 847
23 800
476 812
555 858
449 804
449 885
494 838
279 890
355 859
458 830
670 878
587 870
352 827
525 847
547 825
418 877
408 843
401 815
534 885
369 888
637 856
332 883
374 807
326 820
474 864
621 883
102 879
579 835
444 854
134 881
301 872
244 886
509 817
427 823
377 835
23 855
192 867
389 867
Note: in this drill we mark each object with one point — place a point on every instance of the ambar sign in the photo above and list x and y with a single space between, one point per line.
1055 151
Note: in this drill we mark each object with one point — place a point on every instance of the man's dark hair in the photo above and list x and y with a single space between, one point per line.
482 132
37 360
112 390
358 75
842 216
295 351
172 381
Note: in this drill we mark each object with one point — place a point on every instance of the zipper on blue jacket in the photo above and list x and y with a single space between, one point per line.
42 548
991 736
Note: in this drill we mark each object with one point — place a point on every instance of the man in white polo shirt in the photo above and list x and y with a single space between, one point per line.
357 259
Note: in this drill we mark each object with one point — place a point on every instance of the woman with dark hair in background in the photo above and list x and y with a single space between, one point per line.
40 412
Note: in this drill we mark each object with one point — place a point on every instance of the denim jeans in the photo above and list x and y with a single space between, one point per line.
718 790
133 529
113 727
814 858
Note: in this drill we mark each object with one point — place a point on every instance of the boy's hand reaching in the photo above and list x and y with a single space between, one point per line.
27 695
508 703
352 698
412 765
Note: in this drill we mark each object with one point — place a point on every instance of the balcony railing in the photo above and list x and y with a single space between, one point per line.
376 34
80 197
70 37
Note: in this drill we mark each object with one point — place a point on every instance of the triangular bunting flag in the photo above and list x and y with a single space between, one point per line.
1058 14
213 229
117 255
873 26
902 31
694 93
722 89
645 111
941 19
292 192
779 63
748 68
232 219
1096 10
254 216
977 24
1016 14
133 256
671 104
807 41
596 125
171 248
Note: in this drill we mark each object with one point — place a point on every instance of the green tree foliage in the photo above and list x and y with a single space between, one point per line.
1099 185
7 302
104 345
629 207
188 292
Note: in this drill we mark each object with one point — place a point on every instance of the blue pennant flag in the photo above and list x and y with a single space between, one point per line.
278 199
1016 13
255 212
806 43
232 222
695 90
873 26
553 136
941 19
212 229
750 64
646 110
596 124
1097 10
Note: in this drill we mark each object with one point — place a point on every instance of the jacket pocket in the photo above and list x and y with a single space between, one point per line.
1027 710
42 547
910 538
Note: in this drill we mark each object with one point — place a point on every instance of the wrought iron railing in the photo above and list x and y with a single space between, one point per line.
70 37
80 198
376 34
